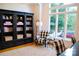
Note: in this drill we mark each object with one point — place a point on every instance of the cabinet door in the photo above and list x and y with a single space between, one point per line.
20 27
29 26
7 27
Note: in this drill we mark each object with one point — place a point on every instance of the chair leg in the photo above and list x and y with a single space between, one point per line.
45 42
58 54
36 41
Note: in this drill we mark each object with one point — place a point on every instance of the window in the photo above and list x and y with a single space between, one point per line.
70 25
62 19
60 22
52 23
71 22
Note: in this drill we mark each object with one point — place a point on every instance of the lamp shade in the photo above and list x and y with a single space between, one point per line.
38 23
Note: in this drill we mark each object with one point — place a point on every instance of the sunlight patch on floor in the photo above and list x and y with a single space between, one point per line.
68 39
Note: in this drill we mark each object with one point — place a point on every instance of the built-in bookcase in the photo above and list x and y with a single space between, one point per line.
16 28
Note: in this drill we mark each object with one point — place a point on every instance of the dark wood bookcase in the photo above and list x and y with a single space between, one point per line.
16 28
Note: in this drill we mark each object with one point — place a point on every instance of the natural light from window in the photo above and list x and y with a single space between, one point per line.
62 20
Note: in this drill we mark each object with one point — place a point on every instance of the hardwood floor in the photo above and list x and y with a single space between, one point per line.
29 50
17 47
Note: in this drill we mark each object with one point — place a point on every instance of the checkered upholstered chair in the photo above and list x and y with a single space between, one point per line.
41 39
62 46
59 46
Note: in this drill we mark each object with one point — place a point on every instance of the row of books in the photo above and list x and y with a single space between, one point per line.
8 38
7 17
10 29
18 23
11 17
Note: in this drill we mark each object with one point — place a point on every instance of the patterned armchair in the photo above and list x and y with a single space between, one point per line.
40 40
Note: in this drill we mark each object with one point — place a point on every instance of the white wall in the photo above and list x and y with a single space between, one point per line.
35 10
24 7
45 17
77 25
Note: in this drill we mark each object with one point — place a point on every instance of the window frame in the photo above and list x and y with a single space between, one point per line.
65 13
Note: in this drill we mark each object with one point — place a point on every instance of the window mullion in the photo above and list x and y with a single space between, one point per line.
56 27
65 24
